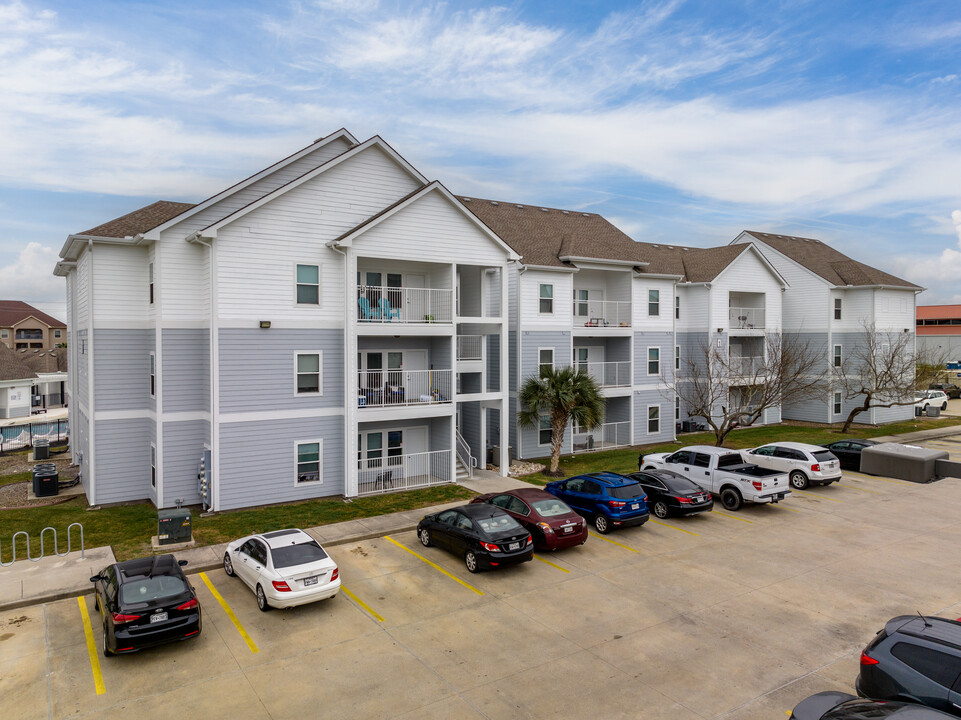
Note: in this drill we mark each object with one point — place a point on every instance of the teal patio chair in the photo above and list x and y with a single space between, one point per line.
387 312
366 311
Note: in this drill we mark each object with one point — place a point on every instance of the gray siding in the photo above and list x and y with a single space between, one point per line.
122 370
438 433
83 354
15 412
512 360
811 410
493 363
645 340
644 398
512 425
257 461
532 341
80 446
257 369
617 409
438 348
186 369
471 427
183 445
123 460
896 413
693 348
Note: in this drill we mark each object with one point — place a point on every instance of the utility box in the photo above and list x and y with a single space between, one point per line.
173 526
46 480
906 462
41 449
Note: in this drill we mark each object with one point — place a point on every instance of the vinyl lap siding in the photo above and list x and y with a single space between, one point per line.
471 414
121 286
183 445
665 342
123 460
643 399
122 370
186 369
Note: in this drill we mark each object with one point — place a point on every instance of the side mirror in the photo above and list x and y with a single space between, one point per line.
95 578
181 563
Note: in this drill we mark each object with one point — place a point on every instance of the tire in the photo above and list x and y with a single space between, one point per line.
944 406
262 603
106 651
660 509
798 480
731 499
424 536
470 560
228 565
602 524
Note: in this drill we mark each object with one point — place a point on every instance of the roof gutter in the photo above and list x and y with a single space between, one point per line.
551 268
660 276
601 261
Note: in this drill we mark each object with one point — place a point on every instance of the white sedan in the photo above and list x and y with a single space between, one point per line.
934 398
284 568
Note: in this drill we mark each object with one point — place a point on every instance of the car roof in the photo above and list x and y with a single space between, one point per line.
528 493
149 567
929 628
610 478
479 510
794 446
283 538
709 449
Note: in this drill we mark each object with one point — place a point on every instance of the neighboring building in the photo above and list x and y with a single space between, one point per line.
31 381
939 331
22 326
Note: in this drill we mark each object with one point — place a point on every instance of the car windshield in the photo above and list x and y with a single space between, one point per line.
627 492
299 554
824 456
550 508
498 524
151 589
677 483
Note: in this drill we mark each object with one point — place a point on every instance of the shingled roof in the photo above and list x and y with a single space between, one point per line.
140 221
43 361
823 260
14 311
12 367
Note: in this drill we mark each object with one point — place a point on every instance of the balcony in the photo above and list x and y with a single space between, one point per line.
746 318
379 304
605 437
469 347
746 366
398 388
602 313
608 374
403 472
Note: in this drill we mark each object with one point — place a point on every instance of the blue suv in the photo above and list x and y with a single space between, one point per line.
607 499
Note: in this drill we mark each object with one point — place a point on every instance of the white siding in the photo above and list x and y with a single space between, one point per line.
857 309
807 302
83 290
694 308
746 274
894 309
641 320
530 283
183 267
120 278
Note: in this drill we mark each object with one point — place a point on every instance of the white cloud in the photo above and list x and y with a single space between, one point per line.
940 274
30 278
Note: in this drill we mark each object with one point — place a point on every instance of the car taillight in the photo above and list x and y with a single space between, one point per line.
616 503
335 574
121 618
281 585
686 501
867 659
189 605
546 528
530 539
490 546
758 485
816 467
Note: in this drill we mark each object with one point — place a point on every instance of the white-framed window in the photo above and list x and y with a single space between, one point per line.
56 334
546 299
837 403
837 308
581 298
677 357
371 451
307 373
677 307
544 430
308 456
677 407
153 465
545 360
150 281
837 356
153 375
654 361
308 284
653 303
653 419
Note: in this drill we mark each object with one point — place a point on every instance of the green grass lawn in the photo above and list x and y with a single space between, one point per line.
625 459
128 528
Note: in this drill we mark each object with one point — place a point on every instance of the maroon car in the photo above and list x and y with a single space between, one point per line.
549 520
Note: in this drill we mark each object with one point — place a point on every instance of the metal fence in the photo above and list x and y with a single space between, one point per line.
17 437
606 437
403 472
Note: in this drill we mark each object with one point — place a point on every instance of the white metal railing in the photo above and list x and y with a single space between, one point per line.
403 472
464 453
403 305
469 347
608 374
746 365
605 437
602 313
380 388
742 318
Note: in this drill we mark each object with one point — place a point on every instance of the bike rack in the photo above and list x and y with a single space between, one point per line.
56 550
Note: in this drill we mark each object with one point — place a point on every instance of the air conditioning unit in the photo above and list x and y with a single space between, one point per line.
173 526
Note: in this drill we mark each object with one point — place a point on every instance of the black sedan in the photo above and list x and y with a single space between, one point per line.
145 602
849 452
671 494
842 706
484 535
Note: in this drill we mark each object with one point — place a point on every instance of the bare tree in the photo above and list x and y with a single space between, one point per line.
883 370
730 391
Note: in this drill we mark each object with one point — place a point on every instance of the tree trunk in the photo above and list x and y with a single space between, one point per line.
856 411
558 425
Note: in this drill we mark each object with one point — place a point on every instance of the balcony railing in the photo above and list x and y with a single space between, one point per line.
389 388
602 313
376 304
403 472
469 347
605 437
746 318
746 366
608 374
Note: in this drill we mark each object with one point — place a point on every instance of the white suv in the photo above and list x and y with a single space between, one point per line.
805 464
934 398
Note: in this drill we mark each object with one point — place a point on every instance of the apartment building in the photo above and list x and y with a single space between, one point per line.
23 327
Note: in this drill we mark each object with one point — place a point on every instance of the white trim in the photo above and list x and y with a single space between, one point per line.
677 358
152 375
837 352
267 415
154 471
837 401
539 298
320 373
297 284
647 367
320 463
549 428
649 302
553 358
647 420
123 415
837 311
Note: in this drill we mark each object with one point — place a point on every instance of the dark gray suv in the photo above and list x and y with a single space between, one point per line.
914 658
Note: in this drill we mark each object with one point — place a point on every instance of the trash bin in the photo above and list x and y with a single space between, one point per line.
934 411
45 480
41 449
918 412
686 426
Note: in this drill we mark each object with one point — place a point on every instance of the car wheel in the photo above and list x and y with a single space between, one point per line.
228 565
262 600
425 537
660 509
944 406
602 524
731 499
106 650
470 560
799 480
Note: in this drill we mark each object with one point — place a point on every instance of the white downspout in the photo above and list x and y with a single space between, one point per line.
350 401
214 475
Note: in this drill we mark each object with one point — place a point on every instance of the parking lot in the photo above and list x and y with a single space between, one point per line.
724 614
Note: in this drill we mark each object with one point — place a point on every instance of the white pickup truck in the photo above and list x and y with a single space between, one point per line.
723 473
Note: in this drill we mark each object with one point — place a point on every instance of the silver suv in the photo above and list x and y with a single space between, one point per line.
805 464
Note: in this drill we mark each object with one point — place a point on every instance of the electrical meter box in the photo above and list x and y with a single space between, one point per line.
173 526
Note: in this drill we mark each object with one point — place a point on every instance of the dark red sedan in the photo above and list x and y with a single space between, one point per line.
551 522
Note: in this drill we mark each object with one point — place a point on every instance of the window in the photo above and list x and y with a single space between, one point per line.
581 357
837 356
308 374
544 431
580 303
940 667
677 408
677 307
653 361
653 419
677 357
837 308
153 375
308 462
545 361
702 460
4 333
546 300
837 403
653 303
153 465
150 281
308 285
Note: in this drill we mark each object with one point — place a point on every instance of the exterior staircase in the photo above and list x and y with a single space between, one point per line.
462 472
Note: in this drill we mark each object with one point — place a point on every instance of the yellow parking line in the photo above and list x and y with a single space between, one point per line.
230 613
658 522
433 565
732 517
91 647
614 542
548 562
816 495
360 602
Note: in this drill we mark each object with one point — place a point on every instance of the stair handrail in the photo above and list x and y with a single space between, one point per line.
464 454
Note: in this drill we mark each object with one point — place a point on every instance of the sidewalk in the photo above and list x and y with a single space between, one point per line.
55 578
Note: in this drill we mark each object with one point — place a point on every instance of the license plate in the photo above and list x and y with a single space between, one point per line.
158 617
311 580
635 506
568 528
514 546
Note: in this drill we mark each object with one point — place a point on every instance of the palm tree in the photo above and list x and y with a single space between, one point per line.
564 395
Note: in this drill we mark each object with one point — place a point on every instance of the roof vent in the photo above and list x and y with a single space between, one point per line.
670 247
806 240
543 209
466 199
657 246
566 212
494 202
685 249
519 206
586 214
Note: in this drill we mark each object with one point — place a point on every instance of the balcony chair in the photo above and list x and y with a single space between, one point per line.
387 312
366 311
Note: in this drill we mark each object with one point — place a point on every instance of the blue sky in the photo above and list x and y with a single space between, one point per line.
681 122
